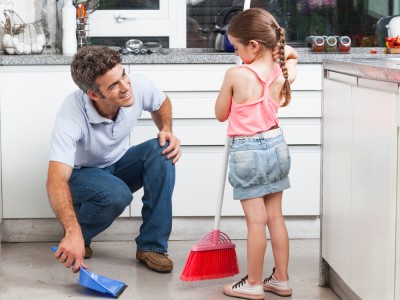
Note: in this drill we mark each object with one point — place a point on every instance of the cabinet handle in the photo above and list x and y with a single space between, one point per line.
123 18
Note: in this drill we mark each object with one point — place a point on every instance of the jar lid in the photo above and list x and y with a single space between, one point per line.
331 41
319 41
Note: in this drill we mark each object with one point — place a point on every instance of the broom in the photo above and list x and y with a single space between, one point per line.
214 256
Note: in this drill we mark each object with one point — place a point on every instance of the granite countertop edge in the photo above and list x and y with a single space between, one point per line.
184 56
384 69
358 62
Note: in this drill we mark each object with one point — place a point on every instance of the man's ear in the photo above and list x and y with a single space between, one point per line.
92 95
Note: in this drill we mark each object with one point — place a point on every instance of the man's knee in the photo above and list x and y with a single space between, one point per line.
117 199
157 156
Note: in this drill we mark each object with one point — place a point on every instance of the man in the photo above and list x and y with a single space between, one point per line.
92 170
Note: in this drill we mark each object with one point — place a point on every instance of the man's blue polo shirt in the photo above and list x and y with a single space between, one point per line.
83 138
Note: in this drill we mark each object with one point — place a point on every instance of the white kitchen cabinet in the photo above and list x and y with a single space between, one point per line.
374 170
336 145
193 90
1 197
30 98
360 165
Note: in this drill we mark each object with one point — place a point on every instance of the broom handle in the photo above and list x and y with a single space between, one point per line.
221 186
226 156
246 4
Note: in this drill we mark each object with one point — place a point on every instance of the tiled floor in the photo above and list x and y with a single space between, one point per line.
29 271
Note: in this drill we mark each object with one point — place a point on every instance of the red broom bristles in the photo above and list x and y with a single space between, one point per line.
212 264
213 257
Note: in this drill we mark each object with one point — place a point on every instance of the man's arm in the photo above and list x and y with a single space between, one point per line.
71 249
163 120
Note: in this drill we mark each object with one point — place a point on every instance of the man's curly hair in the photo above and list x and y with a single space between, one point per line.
91 62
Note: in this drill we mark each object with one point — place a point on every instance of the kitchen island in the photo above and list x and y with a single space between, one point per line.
360 241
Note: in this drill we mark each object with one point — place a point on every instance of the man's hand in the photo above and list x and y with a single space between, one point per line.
71 251
72 247
173 150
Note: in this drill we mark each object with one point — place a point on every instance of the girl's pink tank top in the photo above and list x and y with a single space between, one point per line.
259 116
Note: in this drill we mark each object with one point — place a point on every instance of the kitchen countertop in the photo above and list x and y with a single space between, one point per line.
189 56
385 68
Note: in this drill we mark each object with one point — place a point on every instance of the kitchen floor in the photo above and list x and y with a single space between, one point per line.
29 271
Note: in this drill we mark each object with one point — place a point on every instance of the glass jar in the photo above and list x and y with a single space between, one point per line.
318 44
331 44
344 44
309 41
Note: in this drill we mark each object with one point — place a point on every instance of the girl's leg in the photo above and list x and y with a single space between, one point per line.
256 219
279 236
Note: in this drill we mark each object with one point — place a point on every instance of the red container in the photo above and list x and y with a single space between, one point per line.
344 44
318 44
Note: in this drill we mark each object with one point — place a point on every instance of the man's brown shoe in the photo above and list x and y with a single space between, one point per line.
158 262
88 252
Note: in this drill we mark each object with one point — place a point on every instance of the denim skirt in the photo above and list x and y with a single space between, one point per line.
258 164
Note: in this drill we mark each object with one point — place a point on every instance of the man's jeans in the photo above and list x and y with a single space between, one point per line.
101 195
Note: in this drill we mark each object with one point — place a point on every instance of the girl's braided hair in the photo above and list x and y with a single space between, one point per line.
259 25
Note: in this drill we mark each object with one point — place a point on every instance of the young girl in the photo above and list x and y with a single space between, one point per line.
259 160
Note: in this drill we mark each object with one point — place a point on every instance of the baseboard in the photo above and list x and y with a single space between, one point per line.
339 286
127 228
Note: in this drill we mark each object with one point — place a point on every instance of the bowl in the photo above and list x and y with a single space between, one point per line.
153 47
133 44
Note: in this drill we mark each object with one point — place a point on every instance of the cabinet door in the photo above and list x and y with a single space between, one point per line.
336 179
374 167
30 98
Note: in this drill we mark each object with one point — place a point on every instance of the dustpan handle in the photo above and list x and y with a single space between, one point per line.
221 186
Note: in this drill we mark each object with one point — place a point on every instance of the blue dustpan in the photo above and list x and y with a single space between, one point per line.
98 282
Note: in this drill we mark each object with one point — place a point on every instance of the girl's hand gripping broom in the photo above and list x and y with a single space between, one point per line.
214 256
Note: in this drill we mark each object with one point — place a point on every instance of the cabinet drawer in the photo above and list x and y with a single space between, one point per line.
303 197
172 78
304 104
309 78
200 105
198 175
184 77
210 132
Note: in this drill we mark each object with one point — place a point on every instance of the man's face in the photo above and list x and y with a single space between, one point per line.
114 89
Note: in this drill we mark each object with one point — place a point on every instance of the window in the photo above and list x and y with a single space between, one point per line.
300 18
129 5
